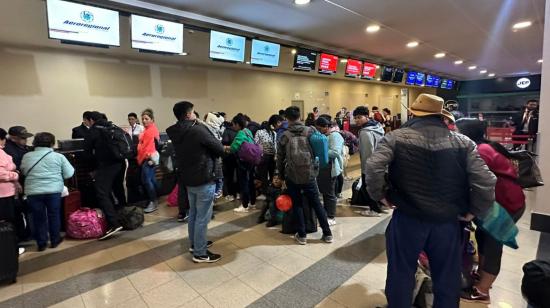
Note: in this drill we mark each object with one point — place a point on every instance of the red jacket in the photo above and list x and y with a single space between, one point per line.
507 192
146 145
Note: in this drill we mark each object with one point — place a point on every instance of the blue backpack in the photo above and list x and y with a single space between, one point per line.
319 145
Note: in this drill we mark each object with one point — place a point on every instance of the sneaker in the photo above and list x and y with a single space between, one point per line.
261 198
229 198
252 206
331 221
182 217
241 209
151 207
300 240
339 196
208 245
22 250
369 213
110 233
474 295
209 258
327 238
218 195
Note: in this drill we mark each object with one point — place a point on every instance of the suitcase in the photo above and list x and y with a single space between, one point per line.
71 204
9 253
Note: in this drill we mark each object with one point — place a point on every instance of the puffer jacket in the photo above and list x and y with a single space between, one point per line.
435 174
8 176
197 151
369 136
48 174
336 153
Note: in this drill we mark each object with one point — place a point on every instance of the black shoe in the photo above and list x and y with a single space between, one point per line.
208 245
110 233
209 258
42 248
55 244
182 217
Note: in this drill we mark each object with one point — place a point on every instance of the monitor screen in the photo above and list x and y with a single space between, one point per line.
450 84
398 75
444 83
353 68
411 78
429 80
75 22
156 34
419 79
304 60
437 81
265 53
227 47
387 73
328 64
369 70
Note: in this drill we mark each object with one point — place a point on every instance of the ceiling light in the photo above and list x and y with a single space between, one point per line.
521 25
458 62
247 62
473 67
539 61
293 51
301 2
344 61
483 71
412 44
373 28
439 55
378 79
491 75
183 54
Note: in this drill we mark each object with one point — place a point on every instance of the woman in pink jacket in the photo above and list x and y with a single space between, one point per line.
8 182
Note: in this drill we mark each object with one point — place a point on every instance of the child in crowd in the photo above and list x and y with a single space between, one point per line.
273 192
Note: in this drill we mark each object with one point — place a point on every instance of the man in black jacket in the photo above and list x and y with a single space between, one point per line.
196 152
82 130
526 122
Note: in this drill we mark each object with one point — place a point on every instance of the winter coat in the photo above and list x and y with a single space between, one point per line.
369 136
48 175
8 176
335 153
147 146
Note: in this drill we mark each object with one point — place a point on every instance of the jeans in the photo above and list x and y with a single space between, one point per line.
327 185
406 237
104 181
312 194
201 200
245 175
149 181
46 211
219 185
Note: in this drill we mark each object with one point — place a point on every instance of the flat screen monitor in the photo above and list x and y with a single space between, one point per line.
387 73
369 70
353 68
419 79
265 53
437 81
328 64
450 84
78 23
429 80
305 60
444 83
156 35
411 78
398 75
227 47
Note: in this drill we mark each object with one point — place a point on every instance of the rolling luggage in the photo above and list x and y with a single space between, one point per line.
9 253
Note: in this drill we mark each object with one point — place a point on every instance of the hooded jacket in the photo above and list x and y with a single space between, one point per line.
214 123
197 151
285 171
434 174
369 136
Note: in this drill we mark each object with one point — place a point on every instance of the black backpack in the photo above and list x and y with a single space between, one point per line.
536 283
131 217
118 141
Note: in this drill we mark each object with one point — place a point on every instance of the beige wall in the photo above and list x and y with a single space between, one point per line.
47 90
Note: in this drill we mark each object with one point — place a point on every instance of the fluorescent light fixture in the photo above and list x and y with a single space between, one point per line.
483 71
539 61
491 75
373 28
344 61
293 51
458 62
301 2
412 44
522 25
439 55
183 54
473 67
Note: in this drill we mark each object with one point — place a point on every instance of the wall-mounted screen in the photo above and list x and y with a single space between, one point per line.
398 75
411 78
353 68
419 79
429 80
73 22
156 34
450 84
227 47
437 81
305 60
443 83
265 53
328 64
387 73
369 70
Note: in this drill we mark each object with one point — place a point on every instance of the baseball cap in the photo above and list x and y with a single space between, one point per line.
19 131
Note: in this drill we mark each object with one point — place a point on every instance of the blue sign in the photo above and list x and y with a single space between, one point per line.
411 78
419 79
265 53
429 80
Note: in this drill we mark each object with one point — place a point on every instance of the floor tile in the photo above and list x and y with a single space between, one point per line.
9 291
205 277
264 278
152 277
198 302
110 295
240 262
356 294
292 263
171 294
136 302
74 302
234 293
329 303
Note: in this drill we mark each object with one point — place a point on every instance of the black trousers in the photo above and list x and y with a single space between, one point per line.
229 176
245 175
7 209
104 182
339 183
265 171
371 203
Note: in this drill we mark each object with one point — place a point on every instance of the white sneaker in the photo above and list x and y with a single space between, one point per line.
261 198
21 250
331 221
369 213
151 207
241 209
230 198
252 206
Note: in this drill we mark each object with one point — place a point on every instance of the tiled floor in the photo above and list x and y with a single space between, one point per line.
261 267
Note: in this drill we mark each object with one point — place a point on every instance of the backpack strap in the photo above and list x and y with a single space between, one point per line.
41 158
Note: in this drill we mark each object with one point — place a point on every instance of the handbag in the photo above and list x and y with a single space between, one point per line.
529 174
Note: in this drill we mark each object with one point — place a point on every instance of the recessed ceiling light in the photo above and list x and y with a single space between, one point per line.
301 2
412 44
491 75
458 62
473 67
293 51
439 55
522 25
344 61
373 28
483 71
539 61
183 54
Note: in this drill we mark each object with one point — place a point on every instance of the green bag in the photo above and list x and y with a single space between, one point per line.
499 225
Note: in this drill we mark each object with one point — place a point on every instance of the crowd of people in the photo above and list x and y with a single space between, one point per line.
459 172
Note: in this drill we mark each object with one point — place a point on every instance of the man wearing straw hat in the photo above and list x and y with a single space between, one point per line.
436 179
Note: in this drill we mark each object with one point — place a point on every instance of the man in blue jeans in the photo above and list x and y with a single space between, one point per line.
298 167
197 151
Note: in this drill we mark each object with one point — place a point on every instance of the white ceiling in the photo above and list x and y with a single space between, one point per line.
477 31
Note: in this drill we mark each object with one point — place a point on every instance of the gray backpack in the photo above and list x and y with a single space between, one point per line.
300 168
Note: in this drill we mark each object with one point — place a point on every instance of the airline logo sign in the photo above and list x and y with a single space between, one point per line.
82 23
225 46
523 83
156 35
265 53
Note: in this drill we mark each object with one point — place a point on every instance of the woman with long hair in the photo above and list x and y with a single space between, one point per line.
267 138
148 158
